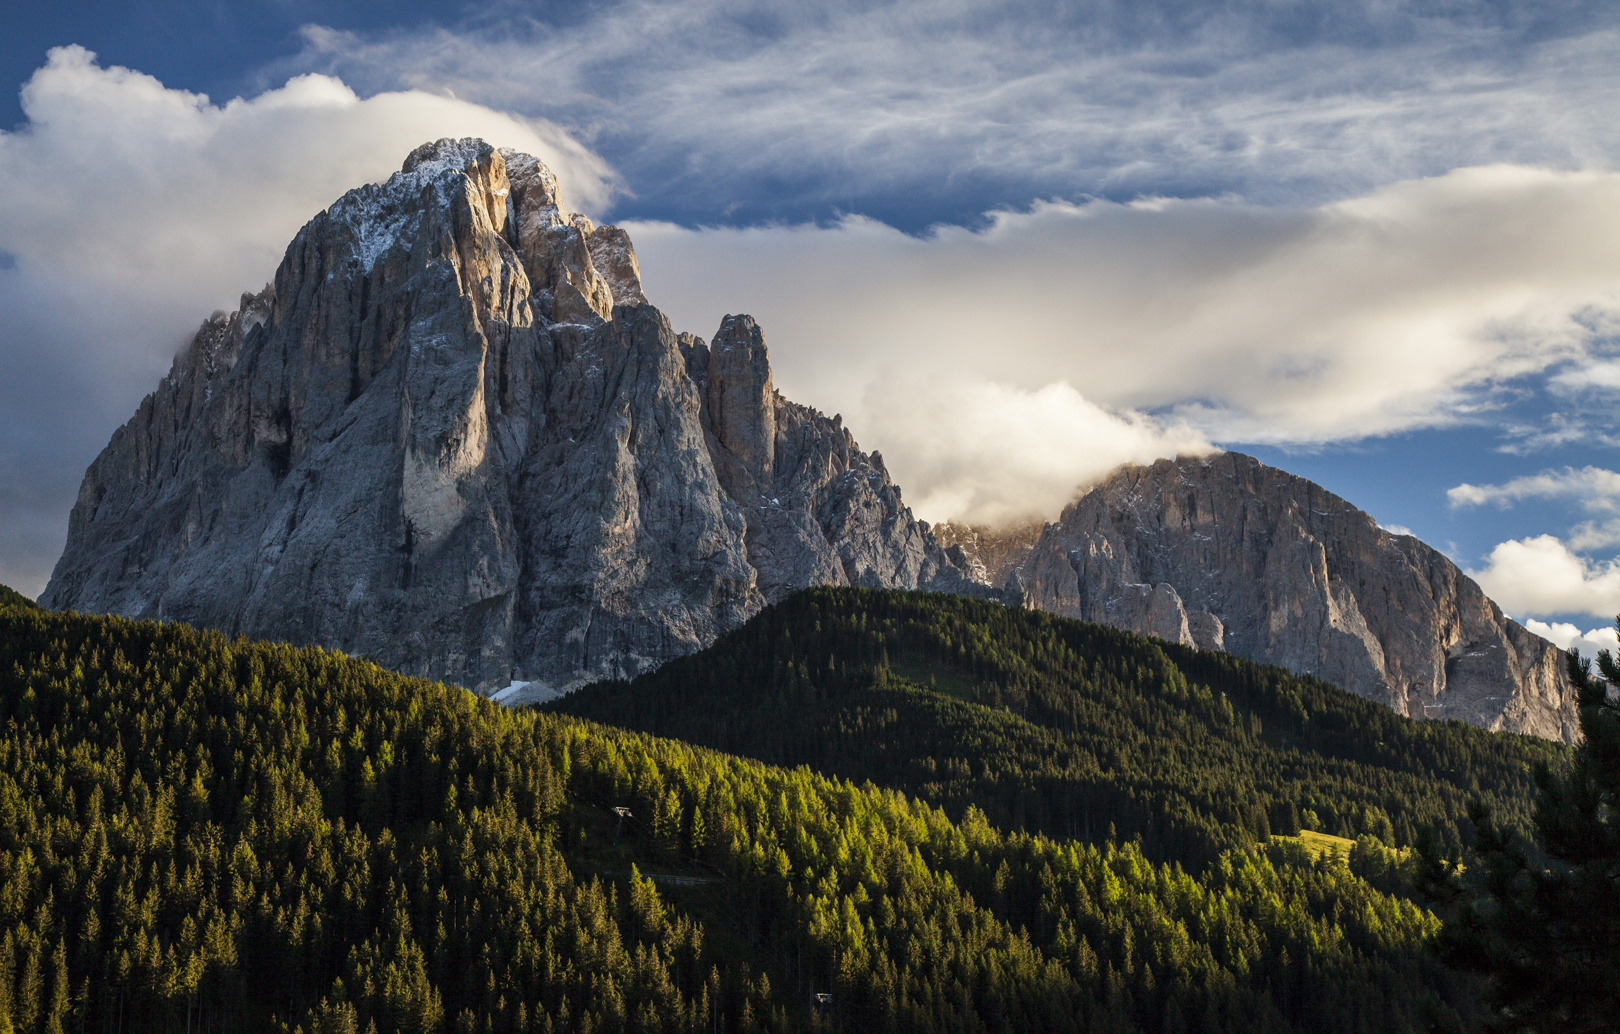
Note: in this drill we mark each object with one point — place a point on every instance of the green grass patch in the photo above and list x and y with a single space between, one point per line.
1319 844
940 678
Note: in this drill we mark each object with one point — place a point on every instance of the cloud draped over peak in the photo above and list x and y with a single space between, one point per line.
1185 320
130 181
134 210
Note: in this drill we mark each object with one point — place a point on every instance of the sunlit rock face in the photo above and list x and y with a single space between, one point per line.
453 437
1225 552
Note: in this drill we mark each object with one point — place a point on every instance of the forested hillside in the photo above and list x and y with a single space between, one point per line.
1071 729
225 836
10 597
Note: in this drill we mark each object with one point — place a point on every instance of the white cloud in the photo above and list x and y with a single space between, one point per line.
990 453
131 183
1593 487
1546 575
1566 636
132 211
1593 535
1541 575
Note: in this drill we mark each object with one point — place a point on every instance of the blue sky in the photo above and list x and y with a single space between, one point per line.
1376 244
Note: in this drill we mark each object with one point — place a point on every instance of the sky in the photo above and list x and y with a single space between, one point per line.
1375 243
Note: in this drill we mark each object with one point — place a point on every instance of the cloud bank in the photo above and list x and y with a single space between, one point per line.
133 211
1174 321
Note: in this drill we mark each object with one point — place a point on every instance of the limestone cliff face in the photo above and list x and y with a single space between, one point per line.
1226 552
453 437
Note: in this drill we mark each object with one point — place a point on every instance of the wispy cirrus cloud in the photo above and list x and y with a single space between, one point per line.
914 113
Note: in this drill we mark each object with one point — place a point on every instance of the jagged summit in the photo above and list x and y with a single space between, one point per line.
452 436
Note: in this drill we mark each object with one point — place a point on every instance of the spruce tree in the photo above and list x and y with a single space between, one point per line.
1547 931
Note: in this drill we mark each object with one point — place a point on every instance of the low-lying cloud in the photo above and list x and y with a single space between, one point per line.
1567 636
990 453
1179 320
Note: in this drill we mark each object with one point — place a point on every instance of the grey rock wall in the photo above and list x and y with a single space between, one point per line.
453 437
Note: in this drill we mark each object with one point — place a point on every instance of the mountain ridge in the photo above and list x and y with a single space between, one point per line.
453 436
1067 728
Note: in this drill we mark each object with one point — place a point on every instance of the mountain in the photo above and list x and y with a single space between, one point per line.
215 834
453 437
1224 552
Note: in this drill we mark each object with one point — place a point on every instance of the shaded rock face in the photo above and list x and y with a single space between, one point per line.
990 553
453 437
1226 552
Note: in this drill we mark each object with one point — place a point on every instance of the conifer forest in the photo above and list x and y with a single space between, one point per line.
862 811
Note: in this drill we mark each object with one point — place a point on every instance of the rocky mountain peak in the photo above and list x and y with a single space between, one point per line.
740 404
435 158
453 437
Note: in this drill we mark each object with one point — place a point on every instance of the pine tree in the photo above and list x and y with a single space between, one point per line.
6 976
56 1012
27 1003
1548 932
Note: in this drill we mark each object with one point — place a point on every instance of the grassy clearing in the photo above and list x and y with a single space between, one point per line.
1319 844
940 678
